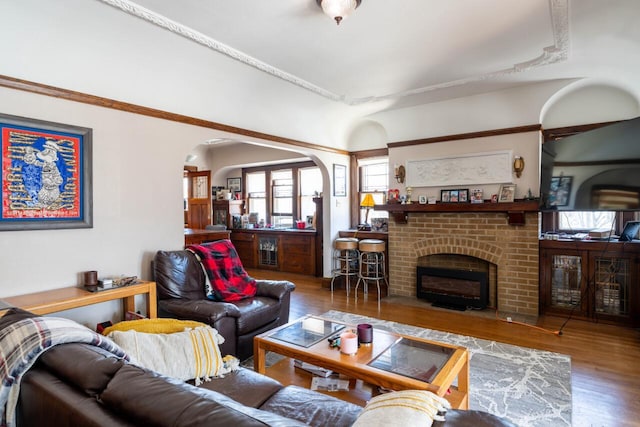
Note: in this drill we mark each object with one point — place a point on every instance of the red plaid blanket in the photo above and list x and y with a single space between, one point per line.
228 279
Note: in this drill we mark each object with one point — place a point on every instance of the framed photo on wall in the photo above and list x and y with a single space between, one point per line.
234 185
46 179
339 180
507 193
560 190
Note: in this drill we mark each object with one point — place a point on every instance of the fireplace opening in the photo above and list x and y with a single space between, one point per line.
454 289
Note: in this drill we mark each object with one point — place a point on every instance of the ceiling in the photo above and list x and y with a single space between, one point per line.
411 52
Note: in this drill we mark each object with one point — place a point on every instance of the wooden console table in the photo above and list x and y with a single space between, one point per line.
55 300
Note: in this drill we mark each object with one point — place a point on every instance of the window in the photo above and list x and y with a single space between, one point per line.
256 193
281 194
586 220
282 198
310 187
374 180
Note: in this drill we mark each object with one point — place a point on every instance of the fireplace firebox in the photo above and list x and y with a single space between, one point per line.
455 289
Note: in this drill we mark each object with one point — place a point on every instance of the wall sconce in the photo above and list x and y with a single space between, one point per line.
400 174
518 165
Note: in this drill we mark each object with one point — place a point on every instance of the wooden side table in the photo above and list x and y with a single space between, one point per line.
54 300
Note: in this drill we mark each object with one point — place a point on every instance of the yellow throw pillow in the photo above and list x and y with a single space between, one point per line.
192 354
413 407
154 326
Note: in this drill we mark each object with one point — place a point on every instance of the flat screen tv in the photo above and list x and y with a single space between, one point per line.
594 170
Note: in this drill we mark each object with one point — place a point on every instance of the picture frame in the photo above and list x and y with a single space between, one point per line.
422 200
339 180
477 195
234 185
560 190
463 195
46 178
454 196
507 193
445 196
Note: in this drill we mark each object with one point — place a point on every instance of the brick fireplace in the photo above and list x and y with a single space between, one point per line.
487 236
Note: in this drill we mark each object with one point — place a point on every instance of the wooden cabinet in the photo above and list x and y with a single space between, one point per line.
245 244
196 237
591 280
300 253
292 251
224 210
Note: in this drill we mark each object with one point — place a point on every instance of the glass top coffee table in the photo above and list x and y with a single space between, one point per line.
392 361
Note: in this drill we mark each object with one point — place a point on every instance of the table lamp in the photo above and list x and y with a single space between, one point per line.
367 203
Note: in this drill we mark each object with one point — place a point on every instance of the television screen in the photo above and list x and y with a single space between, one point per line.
594 170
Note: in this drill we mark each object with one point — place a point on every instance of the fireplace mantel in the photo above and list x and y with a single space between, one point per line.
515 210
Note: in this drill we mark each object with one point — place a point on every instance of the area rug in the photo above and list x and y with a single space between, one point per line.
526 386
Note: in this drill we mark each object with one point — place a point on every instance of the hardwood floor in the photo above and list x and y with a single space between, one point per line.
605 359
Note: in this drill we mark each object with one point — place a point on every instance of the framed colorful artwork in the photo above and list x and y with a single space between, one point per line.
46 176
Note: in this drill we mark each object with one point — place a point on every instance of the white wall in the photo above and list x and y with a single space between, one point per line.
519 106
526 145
137 199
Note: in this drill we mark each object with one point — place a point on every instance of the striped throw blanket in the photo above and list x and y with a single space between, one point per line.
22 342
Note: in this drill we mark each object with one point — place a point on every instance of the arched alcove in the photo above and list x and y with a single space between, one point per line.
588 101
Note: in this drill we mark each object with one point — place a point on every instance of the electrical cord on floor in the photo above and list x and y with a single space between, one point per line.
510 320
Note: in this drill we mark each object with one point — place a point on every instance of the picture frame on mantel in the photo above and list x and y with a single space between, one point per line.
46 177
507 193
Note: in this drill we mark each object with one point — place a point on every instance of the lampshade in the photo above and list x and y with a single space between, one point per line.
368 202
338 9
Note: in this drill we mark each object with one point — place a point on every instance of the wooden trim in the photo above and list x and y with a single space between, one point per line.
365 154
563 132
354 183
481 134
55 92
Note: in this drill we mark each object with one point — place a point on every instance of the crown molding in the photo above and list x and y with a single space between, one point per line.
558 52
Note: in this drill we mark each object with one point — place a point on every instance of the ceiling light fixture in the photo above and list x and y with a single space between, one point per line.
338 9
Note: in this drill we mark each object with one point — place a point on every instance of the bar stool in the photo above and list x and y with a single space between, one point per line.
345 259
372 264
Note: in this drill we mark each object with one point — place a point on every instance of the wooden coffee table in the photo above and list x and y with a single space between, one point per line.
455 360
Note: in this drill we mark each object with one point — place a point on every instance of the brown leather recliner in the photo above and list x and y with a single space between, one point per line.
181 295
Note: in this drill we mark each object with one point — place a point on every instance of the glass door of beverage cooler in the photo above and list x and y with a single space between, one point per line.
268 252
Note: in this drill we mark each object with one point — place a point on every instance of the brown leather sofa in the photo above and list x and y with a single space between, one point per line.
82 385
181 295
